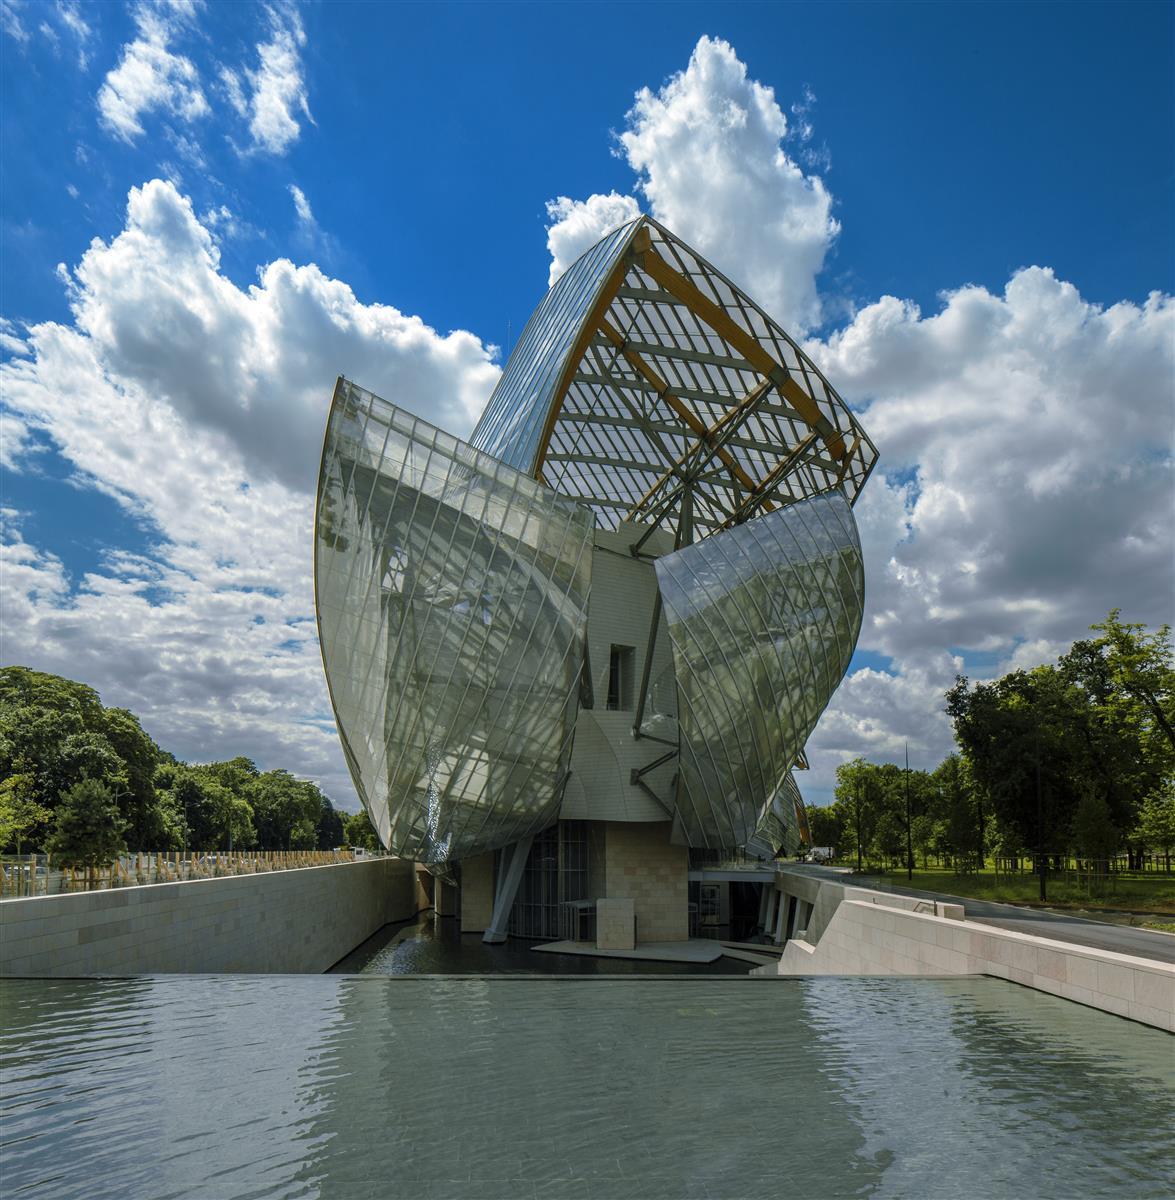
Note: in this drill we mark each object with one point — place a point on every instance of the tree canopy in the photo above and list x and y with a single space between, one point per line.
57 737
1075 758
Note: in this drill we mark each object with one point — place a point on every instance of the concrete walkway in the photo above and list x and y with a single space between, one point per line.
696 950
1100 935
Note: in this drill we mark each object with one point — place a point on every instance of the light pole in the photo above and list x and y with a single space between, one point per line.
860 786
1042 862
909 826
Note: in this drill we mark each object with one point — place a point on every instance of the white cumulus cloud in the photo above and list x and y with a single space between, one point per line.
272 96
199 406
150 76
577 225
707 149
1026 487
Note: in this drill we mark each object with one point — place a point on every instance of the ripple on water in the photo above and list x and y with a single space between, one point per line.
275 1086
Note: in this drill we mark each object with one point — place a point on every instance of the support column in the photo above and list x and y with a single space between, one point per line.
781 919
444 899
765 891
773 898
477 893
509 877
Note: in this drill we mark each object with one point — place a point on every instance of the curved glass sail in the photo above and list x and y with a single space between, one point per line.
649 394
784 824
763 619
451 593
645 367
514 419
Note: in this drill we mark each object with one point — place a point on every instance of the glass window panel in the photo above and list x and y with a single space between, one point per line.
761 636
452 611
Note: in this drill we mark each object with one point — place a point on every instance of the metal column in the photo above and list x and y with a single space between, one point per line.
509 877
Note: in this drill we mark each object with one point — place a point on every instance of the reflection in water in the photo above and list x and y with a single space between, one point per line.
1021 1093
274 1086
432 945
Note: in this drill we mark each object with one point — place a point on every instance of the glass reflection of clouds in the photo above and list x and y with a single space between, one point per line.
452 601
763 619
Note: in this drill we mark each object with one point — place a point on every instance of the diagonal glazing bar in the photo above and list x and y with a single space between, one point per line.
666 393
712 439
746 344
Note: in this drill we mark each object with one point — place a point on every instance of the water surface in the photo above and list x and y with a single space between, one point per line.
432 945
485 1087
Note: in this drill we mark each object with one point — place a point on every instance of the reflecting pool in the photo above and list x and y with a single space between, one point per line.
433 945
504 1086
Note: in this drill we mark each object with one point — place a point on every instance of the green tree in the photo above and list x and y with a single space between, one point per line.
285 810
1143 667
859 804
210 815
88 828
139 756
962 833
59 733
360 832
330 832
1023 736
826 824
20 813
1156 823
1094 835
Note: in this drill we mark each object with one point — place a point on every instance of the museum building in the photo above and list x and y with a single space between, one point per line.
574 661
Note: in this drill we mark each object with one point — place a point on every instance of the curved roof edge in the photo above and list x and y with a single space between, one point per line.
641 355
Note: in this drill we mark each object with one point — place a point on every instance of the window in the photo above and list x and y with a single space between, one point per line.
621 662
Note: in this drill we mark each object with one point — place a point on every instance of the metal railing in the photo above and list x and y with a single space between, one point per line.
736 859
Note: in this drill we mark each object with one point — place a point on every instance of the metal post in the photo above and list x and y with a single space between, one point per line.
909 824
647 669
1042 866
860 801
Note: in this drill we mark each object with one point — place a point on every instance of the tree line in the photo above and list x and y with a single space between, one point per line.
1072 759
85 781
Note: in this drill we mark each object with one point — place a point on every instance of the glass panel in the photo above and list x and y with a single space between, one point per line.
514 418
763 619
452 601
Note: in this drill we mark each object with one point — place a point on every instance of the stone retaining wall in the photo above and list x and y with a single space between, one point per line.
857 932
294 921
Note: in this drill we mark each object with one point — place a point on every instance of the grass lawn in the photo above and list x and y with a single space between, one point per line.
1155 894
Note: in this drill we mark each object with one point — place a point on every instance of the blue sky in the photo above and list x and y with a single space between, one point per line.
399 159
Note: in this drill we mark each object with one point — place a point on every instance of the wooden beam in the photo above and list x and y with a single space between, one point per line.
705 357
640 243
758 496
664 390
678 286
711 439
